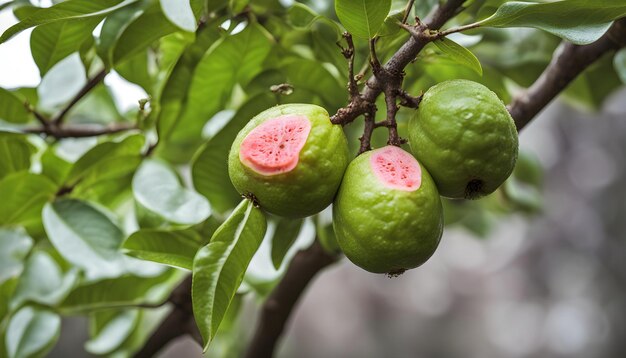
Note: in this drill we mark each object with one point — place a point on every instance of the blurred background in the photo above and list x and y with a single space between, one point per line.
550 282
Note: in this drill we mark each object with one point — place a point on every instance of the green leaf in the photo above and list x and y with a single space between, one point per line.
84 236
619 61
285 234
175 248
157 189
179 13
54 167
99 157
362 18
12 108
218 268
14 246
23 196
112 29
578 21
209 170
113 333
50 43
42 282
390 26
32 332
141 33
15 153
124 291
459 54
236 59
301 16
67 10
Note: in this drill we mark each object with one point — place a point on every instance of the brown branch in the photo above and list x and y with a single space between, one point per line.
568 62
278 306
93 82
79 131
179 322
366 138
407 10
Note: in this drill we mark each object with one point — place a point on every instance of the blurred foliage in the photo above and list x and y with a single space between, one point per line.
91 226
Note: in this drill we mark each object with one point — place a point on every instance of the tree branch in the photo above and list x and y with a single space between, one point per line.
93 82
279 305
567 63
80 131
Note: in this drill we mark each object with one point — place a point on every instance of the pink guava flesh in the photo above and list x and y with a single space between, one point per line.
396 169
274 146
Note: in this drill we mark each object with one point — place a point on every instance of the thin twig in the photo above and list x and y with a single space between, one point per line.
366 138
91 83
407 11
80 131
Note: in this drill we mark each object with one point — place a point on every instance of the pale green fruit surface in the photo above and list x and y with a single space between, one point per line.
383 229
312 184
466 138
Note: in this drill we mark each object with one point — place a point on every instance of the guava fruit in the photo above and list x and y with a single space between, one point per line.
387 215
290 158
466 138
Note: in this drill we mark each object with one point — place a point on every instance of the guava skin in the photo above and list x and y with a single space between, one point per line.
382 229
312 184
464 135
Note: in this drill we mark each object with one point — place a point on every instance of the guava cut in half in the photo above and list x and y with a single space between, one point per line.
464 135
290 158
387 215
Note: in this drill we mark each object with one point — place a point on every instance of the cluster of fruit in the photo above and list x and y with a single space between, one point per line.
387 213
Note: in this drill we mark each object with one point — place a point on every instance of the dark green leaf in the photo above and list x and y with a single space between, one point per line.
12 108
459 54
50 43
32 332
174 248
157 188
23 196
218 268
112 29
120 292
210 166
15 153
54 167
67 10
285 234
362 18
84 236
578 21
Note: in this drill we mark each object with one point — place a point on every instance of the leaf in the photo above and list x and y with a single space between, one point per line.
390 26
578 21
67 10
209 170
148 27
236 59
23 196
175 248
619 61
362 18
32 332
98 157
12 108
156 188
14 246
124 291
285 235
50 43
301 16
113 27
114 333
15 153
459 54
84 236
218 268
180 14
61 83
42 282
53 166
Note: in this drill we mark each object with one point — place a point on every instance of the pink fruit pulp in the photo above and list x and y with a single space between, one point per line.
274 146
396 169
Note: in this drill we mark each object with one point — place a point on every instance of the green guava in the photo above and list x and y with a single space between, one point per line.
464 135
387 216
290 158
